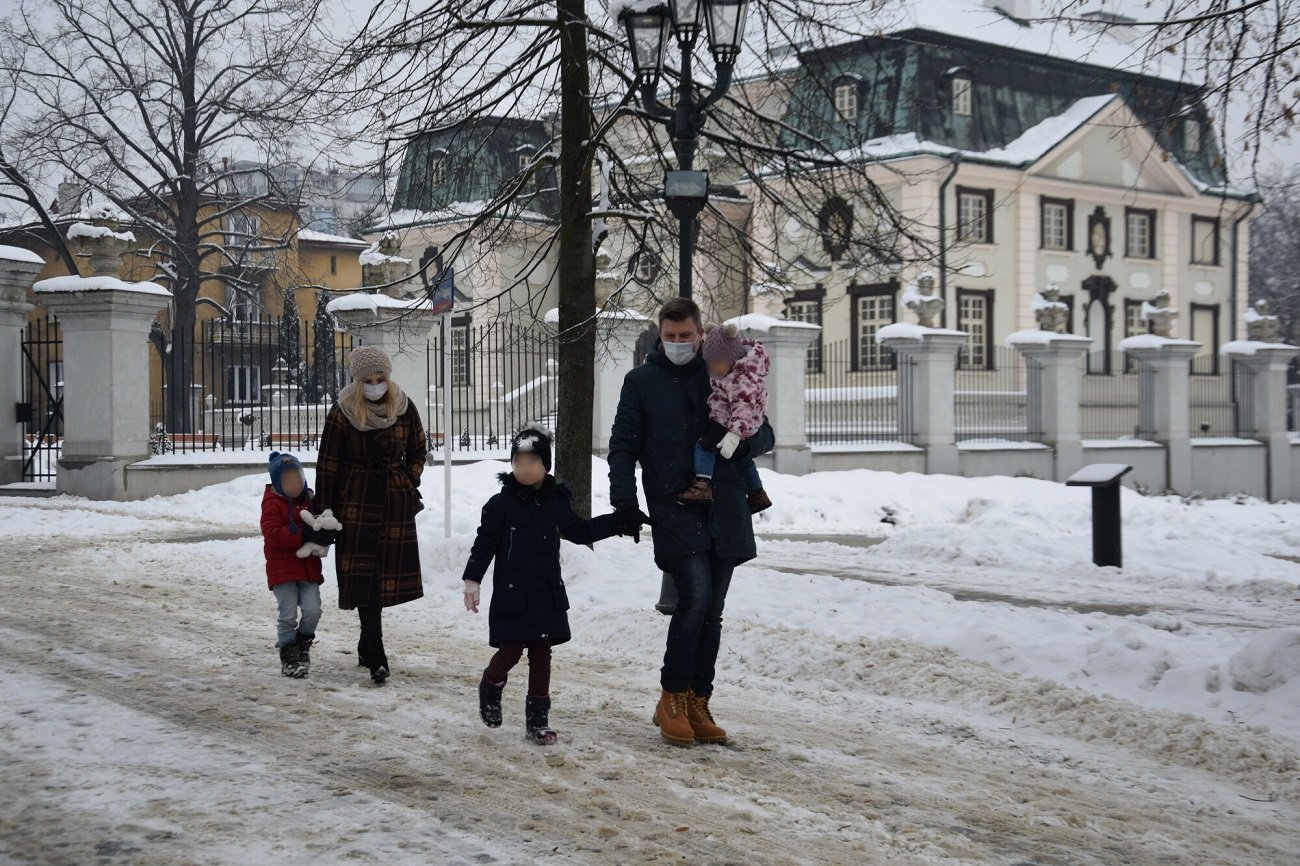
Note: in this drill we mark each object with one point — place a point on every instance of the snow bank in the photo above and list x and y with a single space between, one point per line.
1270 660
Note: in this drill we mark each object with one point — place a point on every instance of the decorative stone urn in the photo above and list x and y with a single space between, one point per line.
382 268
101 242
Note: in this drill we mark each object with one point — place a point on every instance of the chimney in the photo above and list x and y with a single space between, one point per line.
1018 10
69 198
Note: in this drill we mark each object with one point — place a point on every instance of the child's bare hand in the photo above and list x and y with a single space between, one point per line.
471 596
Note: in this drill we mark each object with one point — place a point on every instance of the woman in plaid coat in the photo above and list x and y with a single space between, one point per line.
372 453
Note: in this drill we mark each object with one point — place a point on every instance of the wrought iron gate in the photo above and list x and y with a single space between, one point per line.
41 411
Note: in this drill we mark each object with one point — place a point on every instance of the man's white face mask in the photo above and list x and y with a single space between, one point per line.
680 353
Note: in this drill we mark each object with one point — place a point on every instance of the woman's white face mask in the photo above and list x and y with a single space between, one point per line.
376 391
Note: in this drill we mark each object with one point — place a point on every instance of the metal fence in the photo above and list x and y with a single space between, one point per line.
991 401
40 414
846 405
1110 396
236 386
503 376
1212 405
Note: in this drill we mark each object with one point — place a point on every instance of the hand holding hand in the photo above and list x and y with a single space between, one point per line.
472 589
727 446
630 521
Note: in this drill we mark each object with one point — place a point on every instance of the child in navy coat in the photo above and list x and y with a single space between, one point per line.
521 528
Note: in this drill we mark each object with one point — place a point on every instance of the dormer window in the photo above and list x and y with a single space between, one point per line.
525 158
962 96
437 167
846 100
1192 135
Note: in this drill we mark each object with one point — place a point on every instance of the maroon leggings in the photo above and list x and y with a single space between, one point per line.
539 665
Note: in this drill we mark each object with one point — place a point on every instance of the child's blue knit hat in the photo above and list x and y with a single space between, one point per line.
277 466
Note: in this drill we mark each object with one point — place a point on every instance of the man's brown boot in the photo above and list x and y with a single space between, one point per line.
759 501
670 718
697 713
699 493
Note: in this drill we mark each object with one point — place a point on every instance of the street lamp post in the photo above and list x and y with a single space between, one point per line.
685 190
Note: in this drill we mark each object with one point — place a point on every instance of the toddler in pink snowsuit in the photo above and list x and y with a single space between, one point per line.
737 405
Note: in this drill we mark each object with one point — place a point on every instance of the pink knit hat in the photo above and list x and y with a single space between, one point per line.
723 342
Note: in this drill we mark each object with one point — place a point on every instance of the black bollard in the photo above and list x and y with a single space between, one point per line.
1107 528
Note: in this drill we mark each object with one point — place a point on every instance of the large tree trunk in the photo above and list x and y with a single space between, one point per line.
577 261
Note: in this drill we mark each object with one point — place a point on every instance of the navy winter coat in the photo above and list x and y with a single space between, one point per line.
661 412
521 528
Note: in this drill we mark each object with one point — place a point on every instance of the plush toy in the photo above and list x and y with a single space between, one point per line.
319 522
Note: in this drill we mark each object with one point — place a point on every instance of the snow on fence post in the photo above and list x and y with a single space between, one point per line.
927 363
18 270
1263 405
105 326
787 345
1163 402
1055 392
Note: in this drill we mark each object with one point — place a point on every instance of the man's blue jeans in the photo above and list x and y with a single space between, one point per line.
695 631
291 597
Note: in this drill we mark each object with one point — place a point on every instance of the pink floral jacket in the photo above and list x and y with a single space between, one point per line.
738 400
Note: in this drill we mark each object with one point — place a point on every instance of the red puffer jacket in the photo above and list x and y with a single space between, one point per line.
280 546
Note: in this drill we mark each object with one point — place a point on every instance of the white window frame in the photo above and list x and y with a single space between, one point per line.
1192 134
1145 250
973 318
846 101
1056 227
809 311
460 360
872 355
963 96
243 384
973 217
1199 256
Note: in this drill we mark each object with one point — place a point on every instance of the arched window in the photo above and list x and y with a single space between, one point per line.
846 92
835 223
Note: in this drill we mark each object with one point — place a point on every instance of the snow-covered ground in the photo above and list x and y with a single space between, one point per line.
970 690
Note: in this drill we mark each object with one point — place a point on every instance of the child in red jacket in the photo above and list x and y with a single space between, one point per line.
294 580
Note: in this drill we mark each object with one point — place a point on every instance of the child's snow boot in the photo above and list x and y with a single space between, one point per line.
537 713
489 701
304 652
758 501
291 662
702 725
670 718
699 493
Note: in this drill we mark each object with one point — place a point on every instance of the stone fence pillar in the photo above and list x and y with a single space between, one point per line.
787 345
927 361
18 270
617 333
1164 367
401 328
1264 405
105 327
1055 363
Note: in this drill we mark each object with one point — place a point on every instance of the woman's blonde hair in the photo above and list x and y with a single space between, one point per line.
359 401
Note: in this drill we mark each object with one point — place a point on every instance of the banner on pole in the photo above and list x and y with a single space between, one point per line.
443 296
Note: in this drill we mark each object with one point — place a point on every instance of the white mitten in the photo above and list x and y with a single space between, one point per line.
728 445
472 589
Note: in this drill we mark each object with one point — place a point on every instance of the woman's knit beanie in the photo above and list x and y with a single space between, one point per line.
369 361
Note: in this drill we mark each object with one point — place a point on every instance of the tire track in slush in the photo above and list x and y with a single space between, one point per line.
839 792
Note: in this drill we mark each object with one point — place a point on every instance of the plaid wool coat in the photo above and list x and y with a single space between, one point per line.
369 479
